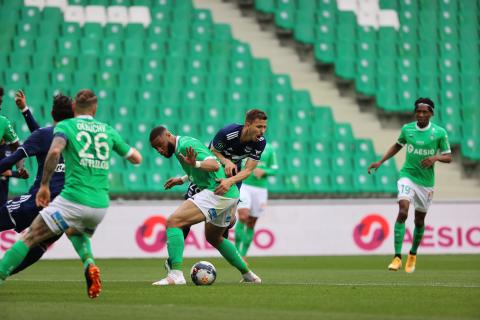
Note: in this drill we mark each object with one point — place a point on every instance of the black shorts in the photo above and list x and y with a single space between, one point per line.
22 210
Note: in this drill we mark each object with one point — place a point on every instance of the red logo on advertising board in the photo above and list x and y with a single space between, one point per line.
367 239
146 232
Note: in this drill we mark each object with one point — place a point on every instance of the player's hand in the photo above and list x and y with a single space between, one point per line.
43 196
373 165
20 100
190 156
428 162
258 173
172 182
230 168
7 173
223 186
23 173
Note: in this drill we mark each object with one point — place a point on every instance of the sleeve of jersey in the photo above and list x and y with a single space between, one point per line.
30 120
33 144
444 144
120 146
401 139
60 130
8 162
219 141
10 135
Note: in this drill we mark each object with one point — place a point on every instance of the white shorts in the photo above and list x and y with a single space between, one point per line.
62 214
254 199
217 210
420 196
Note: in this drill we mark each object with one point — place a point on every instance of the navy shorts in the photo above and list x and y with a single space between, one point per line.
21 211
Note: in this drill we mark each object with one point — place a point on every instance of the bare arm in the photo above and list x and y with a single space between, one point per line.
53 156
190 158
230 167
393 150
42 199
135 157
225 184
430 161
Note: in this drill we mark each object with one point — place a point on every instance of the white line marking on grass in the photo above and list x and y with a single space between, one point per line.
351 284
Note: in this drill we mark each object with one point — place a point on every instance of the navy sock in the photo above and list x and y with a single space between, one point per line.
5 221
34 254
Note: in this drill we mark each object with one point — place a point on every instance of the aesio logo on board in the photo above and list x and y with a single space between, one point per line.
362 231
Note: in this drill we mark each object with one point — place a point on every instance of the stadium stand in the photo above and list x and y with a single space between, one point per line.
395 51
189 74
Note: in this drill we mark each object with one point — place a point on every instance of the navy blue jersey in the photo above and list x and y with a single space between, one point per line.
227 142
37 145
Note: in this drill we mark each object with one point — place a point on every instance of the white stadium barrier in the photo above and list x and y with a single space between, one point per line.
348 227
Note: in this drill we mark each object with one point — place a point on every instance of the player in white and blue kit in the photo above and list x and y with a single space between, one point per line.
19 212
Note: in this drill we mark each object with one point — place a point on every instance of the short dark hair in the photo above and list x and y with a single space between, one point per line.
1 91
62 108
157 131
255 114
85 98
426 101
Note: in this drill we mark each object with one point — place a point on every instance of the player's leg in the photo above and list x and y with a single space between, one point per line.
244 207
258 203
35 253
405 197
38 232
240 227
80 222
186 215
422 201
417 238
6 222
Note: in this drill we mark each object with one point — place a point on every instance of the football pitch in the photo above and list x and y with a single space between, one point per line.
443 287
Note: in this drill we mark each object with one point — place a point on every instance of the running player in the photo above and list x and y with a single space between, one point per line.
253 199
424 141
86 145
19 212
203 169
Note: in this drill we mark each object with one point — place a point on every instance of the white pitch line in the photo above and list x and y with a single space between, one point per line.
434 285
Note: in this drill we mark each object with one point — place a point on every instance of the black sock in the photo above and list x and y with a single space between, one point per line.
33 255
186 231
399 256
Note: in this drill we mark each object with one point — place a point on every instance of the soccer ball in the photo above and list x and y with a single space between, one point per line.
203 273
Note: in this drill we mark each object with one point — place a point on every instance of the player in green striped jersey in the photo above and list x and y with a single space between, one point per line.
426 143
86 146
253 199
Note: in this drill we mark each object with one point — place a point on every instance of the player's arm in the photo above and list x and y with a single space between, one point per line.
7 163
58 144
134 156
21 102
190 158
225 184
393 150
270 169
230 167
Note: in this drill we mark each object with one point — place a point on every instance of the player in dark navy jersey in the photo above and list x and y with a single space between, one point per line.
19 213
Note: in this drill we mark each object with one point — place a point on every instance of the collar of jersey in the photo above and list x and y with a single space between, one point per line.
85 116
423 129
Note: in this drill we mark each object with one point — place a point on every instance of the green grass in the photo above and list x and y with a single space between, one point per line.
443 287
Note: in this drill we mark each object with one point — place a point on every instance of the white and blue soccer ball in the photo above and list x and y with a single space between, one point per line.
203 273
